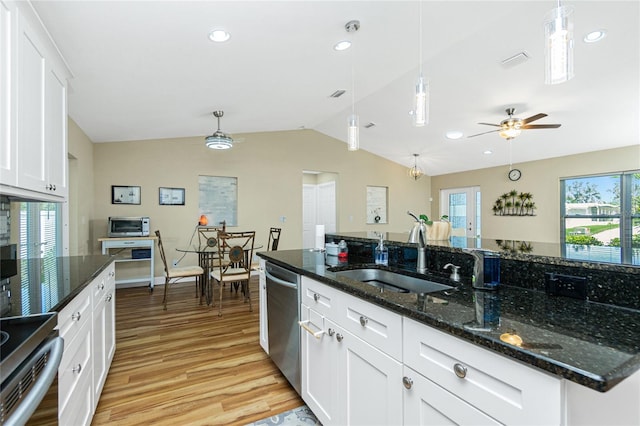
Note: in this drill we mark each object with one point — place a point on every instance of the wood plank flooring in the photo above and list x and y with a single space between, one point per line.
187 365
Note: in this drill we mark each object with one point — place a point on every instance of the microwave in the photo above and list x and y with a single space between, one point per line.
128 226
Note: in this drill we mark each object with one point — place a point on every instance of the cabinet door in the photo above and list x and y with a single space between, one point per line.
426 403
56 132
110 315
319 367
99 348
264 327
30 118
370 383
8 166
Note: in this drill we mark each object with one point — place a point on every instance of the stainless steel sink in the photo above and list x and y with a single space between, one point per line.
392 281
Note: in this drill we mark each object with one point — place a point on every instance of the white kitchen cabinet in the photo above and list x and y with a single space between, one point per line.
346 380
33 114
75 392
87 325
264 324
103 347
497 387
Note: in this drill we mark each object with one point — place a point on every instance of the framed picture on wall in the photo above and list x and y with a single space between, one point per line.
125 194
171 196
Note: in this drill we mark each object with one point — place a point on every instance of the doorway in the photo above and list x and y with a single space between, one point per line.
462 205
318 204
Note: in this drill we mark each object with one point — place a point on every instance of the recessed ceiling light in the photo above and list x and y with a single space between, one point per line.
595 36
453 134
219 35
488 152
342 45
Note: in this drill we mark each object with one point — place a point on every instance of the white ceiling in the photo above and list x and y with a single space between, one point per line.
146 70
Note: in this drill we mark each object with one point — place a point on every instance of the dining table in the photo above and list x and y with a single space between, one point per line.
208 259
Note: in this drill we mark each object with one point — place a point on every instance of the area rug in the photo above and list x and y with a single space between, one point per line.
300 416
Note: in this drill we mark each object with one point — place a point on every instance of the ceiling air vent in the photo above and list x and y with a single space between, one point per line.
369 125
517 59
337 94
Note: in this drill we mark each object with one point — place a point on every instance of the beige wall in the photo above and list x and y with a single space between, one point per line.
80 190
269 169
540 178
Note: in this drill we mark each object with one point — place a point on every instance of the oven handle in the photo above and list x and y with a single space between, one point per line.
32 400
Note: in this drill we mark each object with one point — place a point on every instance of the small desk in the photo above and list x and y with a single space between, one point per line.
132 243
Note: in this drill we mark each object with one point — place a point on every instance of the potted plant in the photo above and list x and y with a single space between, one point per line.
437 230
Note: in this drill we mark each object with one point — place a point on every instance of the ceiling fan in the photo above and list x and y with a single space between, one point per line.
511 127
219 139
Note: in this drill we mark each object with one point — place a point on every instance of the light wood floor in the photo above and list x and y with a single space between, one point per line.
187 366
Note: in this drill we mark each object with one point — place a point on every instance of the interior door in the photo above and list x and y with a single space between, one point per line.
462 205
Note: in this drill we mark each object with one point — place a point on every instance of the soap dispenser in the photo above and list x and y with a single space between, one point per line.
382 253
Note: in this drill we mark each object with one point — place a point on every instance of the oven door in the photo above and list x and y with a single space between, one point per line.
30 395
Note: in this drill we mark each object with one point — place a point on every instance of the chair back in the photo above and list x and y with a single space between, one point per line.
207 236
161 250
274 238
237 249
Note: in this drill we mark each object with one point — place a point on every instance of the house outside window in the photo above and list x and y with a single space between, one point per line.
600 218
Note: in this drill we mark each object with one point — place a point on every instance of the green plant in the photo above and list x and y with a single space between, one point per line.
429 222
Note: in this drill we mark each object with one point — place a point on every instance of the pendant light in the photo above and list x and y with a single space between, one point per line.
558 32
415 172
421 103
353 122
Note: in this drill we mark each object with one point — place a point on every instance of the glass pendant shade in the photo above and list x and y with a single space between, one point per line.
415 172
421 107
353 135
558 32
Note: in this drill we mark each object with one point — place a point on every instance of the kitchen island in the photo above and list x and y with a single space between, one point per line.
591 348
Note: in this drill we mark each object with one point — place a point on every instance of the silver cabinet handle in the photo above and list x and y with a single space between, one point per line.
460 370
77 369
331 332
109 297
76 316
407 382
316 297
363 321
101 286
339 337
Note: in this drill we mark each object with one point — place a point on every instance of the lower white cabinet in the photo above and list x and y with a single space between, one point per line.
104 337
497 387
345 379
264 325
87 325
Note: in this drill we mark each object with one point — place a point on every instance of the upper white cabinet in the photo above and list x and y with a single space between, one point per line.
33 109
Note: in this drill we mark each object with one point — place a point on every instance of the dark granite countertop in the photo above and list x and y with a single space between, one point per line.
593 344
51 285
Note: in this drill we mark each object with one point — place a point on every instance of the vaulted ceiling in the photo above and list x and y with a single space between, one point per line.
147 70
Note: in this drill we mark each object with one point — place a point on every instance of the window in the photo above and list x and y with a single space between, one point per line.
40 238
600 218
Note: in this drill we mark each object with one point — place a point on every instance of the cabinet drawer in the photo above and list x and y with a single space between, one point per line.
509 392
79 410
73 317
74 366
320 297
377 326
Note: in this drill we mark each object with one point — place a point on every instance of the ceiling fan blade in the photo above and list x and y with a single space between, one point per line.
533 118
541 126
483 133
490 124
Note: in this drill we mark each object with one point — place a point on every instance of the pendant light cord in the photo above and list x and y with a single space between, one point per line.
420 36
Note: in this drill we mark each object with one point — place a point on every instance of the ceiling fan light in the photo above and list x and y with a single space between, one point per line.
558 31
510 132
218 142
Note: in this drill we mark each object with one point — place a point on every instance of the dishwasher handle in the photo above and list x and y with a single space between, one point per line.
32 400
280 281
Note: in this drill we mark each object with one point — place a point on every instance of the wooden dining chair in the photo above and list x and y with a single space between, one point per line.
236 250
173 274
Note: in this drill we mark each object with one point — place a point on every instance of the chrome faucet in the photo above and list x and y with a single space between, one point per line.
419 235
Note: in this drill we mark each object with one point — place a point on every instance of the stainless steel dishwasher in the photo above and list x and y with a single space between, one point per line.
283 314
